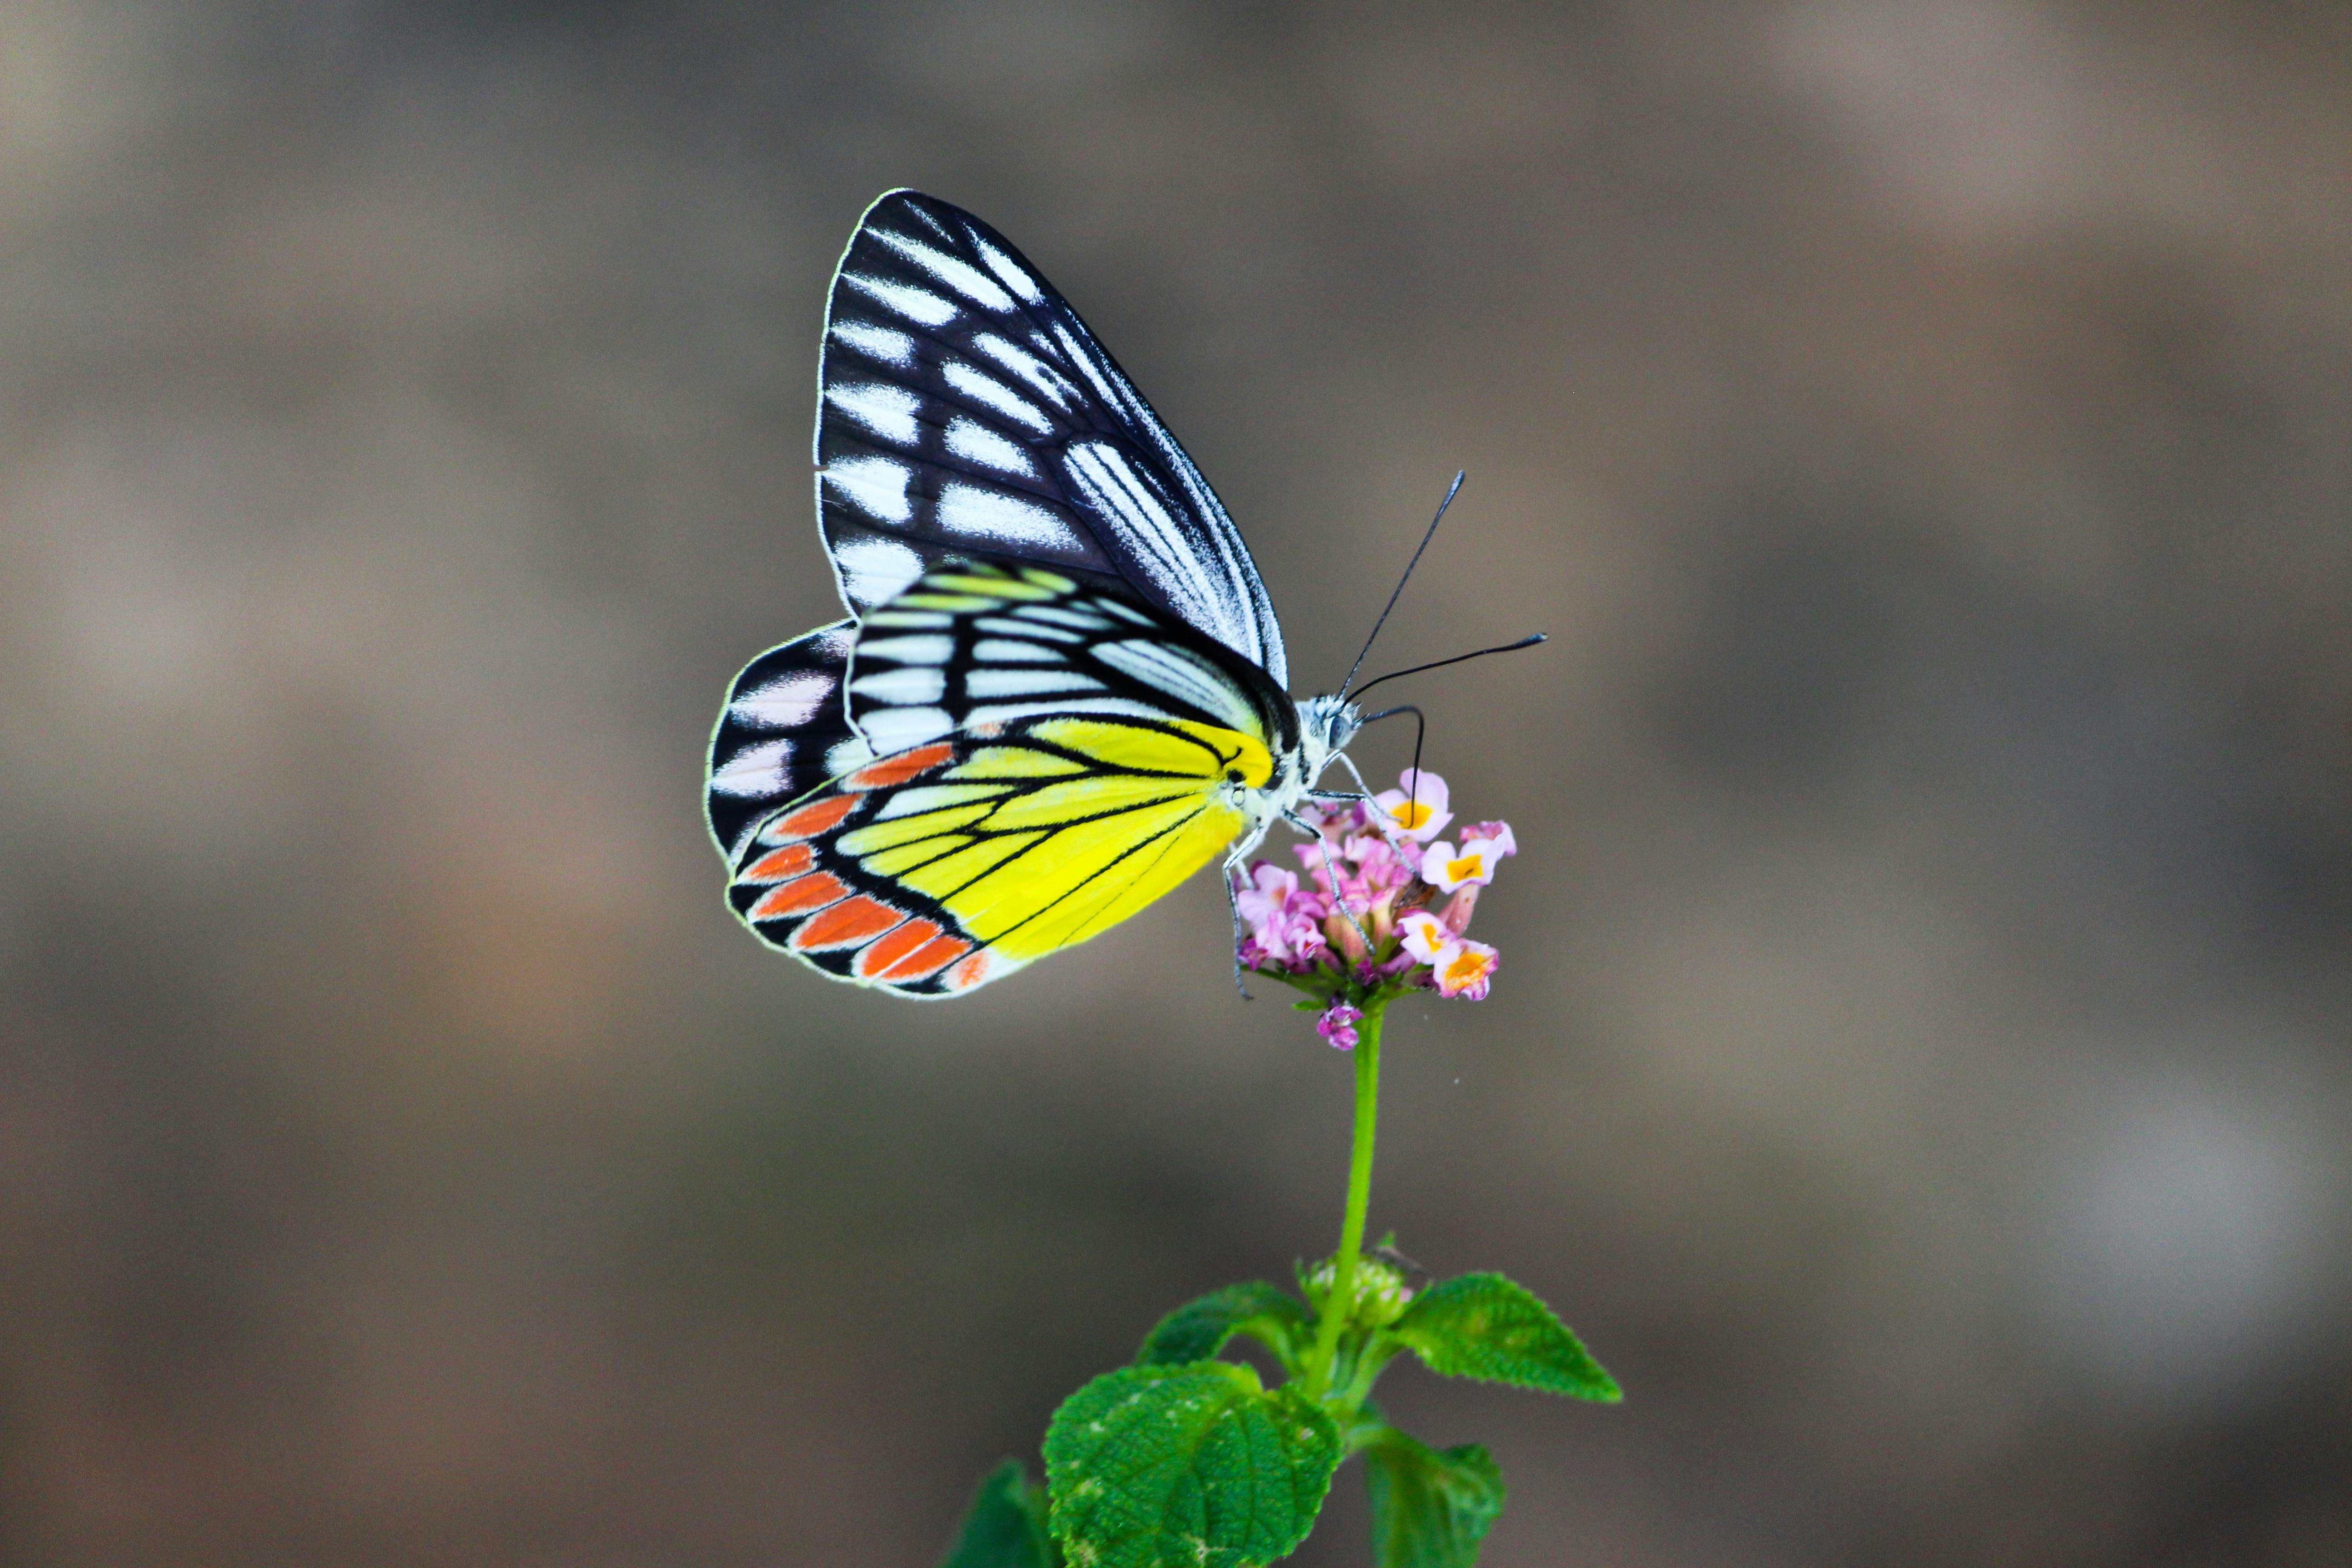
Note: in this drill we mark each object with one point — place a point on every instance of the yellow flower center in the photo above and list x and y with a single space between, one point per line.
1466 868
1411 814
1467 966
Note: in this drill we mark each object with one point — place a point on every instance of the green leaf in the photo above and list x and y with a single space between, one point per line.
1005 1526
1485 1326
1430 1509
1186 1467
1199 1330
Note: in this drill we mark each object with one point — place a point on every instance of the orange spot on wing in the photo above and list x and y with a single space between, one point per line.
888 949
969 973
809 820
778 864
926 960
848 924
799 896
893 771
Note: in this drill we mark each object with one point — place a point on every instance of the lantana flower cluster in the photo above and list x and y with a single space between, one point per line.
1391 869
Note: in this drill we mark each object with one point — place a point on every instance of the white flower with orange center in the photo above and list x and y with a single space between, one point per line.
1416 810
1465 968
1446 868
1423 935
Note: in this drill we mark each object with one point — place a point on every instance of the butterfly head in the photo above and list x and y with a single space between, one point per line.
1325 725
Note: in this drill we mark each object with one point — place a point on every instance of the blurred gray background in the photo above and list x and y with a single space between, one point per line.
1919 1063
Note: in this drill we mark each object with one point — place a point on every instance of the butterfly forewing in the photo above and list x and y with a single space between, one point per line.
967 411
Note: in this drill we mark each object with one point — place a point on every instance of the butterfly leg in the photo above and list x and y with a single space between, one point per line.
1330 872
1234 902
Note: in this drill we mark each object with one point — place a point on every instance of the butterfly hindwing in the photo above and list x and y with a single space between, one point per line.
783 732
1030 825
967 411
975 646
948 865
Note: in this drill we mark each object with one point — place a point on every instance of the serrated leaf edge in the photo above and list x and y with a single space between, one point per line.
1401 1333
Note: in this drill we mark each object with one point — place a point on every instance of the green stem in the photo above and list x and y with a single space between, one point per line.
1340 1304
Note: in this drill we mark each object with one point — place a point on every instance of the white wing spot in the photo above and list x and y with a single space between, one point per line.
1056 616
967 510
1005 650
970 439
887 411
1003 627
915 304
916 683
1024 364
1076 350
874 485
755 770
878 343
925 218
961 276
875 569
783 703
1125 611
1005 713
936 798
934 650
982 387
889 730
846 755
995 683
1010 272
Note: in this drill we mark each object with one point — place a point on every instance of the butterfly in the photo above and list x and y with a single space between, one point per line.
1060 687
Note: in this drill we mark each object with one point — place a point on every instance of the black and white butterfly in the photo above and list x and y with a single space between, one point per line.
1060 688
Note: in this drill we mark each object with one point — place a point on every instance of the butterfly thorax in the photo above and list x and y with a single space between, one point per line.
1325 725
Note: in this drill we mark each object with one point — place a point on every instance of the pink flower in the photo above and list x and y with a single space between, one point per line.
1445 870
1284 921
1465 968
1338 1025
1495 832
1377 862
1271 887
1417 810
1370 871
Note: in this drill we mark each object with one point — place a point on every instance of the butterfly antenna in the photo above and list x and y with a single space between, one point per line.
1529 641
1409 565
1420 731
